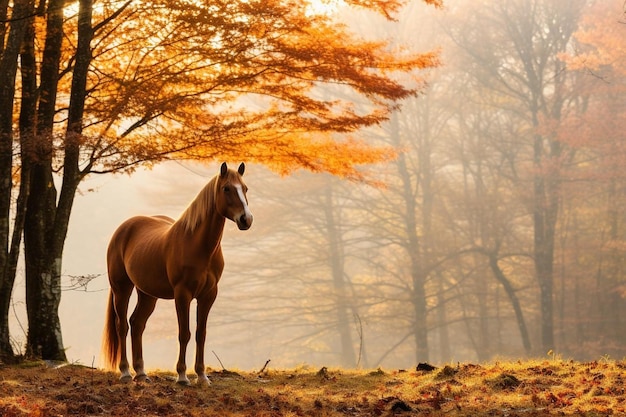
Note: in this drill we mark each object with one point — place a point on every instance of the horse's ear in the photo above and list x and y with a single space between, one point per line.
223 169
242 168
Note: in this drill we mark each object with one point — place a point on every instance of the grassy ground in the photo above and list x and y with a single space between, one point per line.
528 388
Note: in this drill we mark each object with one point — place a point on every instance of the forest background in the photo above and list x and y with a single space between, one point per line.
499 230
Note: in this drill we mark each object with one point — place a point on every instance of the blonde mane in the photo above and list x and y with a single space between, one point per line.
198 209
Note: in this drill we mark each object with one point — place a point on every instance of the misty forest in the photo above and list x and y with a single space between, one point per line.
430 182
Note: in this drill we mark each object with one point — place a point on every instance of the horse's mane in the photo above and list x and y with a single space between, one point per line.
200 207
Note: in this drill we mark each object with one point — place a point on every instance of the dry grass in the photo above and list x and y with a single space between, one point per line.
530 388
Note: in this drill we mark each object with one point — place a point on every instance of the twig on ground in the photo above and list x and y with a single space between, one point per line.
264 366
218 359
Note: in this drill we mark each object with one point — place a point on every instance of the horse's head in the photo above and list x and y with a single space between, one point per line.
231 200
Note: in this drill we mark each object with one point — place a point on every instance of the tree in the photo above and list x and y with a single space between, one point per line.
124 84
487 212
595 131
10 243
335 236
526 73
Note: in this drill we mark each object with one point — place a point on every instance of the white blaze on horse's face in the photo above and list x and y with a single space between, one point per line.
244 217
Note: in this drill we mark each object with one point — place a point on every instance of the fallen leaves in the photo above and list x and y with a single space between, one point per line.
513 389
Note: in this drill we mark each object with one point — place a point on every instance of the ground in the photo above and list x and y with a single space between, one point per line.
524 388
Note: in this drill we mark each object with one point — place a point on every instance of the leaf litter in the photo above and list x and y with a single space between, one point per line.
522 388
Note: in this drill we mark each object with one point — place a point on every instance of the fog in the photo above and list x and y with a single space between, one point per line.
498 232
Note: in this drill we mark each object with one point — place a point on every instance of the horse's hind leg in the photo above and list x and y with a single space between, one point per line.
122 290
143 310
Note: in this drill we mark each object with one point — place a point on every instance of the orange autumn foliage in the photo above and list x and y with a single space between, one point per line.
597 124
264 81
601 39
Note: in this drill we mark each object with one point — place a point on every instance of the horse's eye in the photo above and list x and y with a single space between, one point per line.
227 189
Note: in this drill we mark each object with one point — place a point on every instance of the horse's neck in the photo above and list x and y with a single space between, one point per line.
205 237
210 231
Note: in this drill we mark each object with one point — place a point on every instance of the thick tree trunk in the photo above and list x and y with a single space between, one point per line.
43 296
420 329
8 251
47 219
545 213
43 285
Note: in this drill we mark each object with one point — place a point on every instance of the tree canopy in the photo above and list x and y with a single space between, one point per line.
267 79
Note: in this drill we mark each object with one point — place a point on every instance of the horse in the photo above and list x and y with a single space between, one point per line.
167 259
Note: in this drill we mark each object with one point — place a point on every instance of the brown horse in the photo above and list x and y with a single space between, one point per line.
169 259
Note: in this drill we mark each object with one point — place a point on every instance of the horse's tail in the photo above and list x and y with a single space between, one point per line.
110 338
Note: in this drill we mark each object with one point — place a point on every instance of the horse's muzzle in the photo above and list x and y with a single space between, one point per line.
244 222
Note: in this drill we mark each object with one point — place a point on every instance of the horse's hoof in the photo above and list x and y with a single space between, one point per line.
203 381
183 382
126 379
142 378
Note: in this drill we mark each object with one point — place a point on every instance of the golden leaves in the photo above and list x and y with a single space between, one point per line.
262 80
602 40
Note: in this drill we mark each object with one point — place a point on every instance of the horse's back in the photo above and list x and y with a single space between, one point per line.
139 229
136 253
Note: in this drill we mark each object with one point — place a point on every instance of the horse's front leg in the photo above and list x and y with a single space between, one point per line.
183 301
204 306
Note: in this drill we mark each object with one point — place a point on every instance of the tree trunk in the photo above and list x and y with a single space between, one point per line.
4 23
425 181
444 354
48 222
8 251
418 296
510 291
348 357
545 210
43 285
